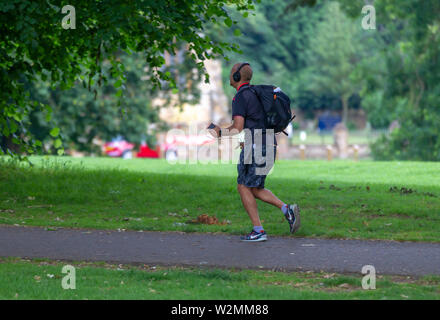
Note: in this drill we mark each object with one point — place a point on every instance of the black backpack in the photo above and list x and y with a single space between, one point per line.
276 107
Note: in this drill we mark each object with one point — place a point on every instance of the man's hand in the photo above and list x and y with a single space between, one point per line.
214 130
235 128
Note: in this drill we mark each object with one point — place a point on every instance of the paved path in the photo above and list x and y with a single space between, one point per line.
190 249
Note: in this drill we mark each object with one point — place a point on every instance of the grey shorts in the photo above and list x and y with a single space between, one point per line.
253 175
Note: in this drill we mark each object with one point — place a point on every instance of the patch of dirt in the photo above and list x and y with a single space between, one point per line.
405 191
206 219
333 187
7 210
399 216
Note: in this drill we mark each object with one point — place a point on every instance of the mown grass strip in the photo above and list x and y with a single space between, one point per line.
41 279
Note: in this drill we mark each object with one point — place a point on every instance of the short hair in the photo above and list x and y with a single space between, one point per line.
245 71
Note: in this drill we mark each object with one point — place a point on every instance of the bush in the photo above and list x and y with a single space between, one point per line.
417 139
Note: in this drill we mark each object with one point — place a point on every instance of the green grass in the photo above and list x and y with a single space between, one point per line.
41 279
339 199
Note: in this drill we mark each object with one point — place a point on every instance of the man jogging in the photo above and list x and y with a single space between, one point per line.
248 115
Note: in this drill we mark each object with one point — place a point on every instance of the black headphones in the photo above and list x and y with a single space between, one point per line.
237 76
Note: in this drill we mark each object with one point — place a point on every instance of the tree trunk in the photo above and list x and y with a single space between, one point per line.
344 110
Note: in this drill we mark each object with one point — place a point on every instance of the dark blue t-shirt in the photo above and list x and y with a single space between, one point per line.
246 104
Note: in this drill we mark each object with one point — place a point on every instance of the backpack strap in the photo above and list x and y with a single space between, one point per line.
252 89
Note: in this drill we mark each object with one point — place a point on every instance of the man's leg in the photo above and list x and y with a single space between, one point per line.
249 203
267 196
291 212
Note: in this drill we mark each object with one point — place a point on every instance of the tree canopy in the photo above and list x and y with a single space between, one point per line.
34 45
410 83
320 59
311 51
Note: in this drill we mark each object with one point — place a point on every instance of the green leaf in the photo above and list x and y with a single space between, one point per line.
228 22
118 83
60 151
237 32
57 143
13 126
54 132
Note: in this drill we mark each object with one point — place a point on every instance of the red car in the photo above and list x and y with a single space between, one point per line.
146 152
118 148
121 148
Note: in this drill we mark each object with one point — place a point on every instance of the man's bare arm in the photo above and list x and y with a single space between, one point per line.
236 127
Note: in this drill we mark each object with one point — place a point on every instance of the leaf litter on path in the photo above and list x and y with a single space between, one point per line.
206 219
